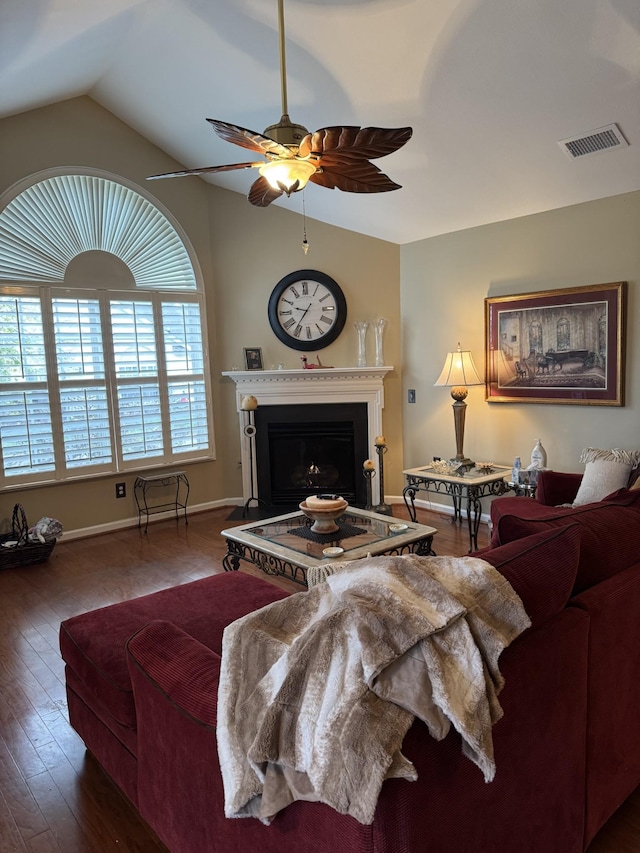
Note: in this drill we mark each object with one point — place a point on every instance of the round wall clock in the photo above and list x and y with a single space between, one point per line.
307 310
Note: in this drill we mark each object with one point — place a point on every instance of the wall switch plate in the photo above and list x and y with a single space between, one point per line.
412 395
121 490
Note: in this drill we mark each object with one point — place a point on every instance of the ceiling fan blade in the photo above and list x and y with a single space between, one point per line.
358 177
206 169
262 193
248 138
354 143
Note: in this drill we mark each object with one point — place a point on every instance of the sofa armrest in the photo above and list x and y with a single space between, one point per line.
557 487
179 666
175 688
180 792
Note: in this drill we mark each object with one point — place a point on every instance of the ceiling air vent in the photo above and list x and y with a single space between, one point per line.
600 139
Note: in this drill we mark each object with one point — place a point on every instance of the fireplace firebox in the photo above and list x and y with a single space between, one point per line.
307 449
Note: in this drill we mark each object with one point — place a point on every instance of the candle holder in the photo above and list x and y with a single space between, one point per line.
361 328
369 474
249 405
383 508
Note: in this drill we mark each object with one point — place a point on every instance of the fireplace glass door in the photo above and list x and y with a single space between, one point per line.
303 450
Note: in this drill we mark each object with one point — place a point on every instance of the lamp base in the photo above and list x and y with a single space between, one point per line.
465 463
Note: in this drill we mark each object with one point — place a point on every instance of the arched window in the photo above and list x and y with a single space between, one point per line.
535 337
563 334
103 362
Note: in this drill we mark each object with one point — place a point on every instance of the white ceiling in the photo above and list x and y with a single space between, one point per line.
489 87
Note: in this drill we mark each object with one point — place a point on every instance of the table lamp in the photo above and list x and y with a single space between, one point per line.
458 372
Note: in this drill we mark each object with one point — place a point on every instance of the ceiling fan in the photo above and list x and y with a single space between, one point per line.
333 157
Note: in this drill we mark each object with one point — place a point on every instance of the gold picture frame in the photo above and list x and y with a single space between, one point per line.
557 346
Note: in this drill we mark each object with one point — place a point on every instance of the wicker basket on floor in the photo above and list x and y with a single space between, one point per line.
16 549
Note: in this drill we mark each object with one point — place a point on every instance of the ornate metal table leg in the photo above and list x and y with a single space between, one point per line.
456 497
231 560
424 549
474 512
410 492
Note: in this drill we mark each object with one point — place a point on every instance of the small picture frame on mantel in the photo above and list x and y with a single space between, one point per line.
253 358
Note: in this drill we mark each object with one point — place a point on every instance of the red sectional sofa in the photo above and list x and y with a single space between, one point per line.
142 682
607 588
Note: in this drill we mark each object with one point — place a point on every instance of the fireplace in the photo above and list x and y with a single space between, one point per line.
298 389
311 449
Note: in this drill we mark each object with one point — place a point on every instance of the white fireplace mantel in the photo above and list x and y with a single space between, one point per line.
318 385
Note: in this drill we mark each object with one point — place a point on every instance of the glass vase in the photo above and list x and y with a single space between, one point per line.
378 327
361 328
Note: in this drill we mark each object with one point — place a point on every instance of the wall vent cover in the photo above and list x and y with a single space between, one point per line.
593 142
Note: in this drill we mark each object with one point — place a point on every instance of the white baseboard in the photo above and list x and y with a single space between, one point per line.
124 523
432 506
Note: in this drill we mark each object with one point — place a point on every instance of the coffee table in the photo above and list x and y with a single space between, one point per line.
286 546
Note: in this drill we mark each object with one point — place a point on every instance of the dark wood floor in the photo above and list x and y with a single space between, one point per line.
53 797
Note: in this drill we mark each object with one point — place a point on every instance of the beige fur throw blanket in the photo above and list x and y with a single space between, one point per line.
318 691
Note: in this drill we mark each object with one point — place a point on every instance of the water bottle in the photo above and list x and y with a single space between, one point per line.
538 456
515 471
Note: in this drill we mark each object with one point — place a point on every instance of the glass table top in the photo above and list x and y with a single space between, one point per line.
474 476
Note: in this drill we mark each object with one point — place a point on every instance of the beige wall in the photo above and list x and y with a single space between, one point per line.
254 249
243 252
444 281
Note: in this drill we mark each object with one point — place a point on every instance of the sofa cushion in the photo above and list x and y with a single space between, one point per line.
608 540
531 565
605 471
93 644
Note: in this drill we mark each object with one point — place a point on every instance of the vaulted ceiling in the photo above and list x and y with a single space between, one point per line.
489 87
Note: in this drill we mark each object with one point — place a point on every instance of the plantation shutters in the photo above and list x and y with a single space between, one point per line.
97 379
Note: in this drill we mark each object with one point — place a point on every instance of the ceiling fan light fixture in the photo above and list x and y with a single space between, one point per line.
335 157
289 176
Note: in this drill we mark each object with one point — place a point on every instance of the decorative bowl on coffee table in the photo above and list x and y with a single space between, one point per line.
324 520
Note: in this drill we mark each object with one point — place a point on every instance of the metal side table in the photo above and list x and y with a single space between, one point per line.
469 486
174 495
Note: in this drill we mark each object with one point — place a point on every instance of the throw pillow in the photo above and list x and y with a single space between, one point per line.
605 472
541 568
608 541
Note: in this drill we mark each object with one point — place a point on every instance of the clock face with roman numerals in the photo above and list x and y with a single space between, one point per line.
307 310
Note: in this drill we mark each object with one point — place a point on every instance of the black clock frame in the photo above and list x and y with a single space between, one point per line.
336 292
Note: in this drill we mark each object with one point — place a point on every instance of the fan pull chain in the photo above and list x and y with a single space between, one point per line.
305 242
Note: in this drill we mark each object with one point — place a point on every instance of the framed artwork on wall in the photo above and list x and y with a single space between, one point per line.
557 346
253 358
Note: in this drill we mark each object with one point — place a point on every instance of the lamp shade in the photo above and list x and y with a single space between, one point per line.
459 370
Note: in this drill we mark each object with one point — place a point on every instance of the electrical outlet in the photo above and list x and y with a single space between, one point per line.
121 490
412 395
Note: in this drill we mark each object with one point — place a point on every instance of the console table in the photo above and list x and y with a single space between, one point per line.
470 485
169 499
